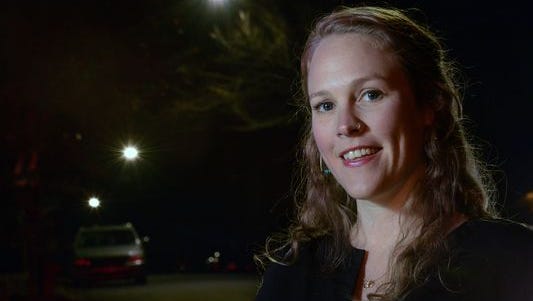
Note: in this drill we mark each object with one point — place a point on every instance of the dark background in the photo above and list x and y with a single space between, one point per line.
208 95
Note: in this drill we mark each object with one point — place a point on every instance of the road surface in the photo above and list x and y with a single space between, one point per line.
177 287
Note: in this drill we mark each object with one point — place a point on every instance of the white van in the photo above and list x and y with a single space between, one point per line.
108 252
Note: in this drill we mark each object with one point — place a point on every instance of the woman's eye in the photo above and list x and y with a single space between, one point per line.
371 95
324 106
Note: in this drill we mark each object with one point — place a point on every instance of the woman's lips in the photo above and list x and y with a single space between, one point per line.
358 152
359 156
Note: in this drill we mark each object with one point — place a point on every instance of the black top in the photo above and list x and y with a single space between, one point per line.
491 260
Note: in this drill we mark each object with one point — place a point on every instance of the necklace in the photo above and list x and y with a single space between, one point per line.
369 283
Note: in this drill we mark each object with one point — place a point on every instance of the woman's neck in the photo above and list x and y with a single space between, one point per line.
383 220
379 227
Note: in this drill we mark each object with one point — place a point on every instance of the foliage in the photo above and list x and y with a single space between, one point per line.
242 73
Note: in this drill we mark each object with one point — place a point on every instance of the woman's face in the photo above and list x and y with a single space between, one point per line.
365 121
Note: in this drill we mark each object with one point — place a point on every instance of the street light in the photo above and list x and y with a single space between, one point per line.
130 153
94 202
218 2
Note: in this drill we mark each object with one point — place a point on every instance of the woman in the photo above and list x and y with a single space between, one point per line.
394 204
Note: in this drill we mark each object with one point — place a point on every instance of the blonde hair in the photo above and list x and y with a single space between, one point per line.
453 181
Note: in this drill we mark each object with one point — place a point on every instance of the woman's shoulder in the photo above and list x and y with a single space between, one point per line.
284 278
495 246
302 277
490 260
494 234
287 260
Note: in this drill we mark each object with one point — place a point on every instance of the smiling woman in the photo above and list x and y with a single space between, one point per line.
395 204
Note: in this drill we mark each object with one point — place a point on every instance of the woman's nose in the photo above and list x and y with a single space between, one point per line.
348 125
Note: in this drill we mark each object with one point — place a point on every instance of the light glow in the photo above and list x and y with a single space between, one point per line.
130 153
217 2
94 202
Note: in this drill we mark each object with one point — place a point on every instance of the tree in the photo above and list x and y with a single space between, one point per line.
239 68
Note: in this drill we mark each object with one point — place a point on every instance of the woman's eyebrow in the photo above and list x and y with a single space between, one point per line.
355 83
319 93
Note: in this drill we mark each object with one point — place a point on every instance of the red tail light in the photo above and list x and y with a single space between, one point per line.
135 260
82 262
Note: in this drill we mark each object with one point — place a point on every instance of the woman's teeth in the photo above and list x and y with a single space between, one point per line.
358 153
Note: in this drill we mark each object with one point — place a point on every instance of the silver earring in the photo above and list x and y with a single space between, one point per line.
326 171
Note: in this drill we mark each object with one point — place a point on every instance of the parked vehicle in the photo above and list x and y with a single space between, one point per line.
108 252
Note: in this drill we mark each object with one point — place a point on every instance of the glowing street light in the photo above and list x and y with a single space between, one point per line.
94 202
218 2
130 153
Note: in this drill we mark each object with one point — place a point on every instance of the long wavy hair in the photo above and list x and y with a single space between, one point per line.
454 181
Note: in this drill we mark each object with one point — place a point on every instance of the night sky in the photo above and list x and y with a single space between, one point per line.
217 126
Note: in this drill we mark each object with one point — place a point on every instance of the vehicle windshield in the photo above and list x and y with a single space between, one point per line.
105 238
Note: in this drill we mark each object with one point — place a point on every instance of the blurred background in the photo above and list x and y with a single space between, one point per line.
204 93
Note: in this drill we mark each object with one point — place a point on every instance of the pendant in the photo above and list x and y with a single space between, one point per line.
368 284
